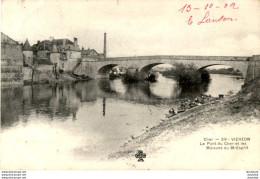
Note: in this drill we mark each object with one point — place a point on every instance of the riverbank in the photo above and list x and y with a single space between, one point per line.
51 79
68 77
225 71
175 143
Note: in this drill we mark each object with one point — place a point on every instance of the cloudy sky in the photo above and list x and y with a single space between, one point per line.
138 27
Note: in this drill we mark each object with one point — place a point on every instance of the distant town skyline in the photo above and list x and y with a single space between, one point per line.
136 28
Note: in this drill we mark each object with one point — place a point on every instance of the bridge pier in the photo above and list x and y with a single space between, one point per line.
253 70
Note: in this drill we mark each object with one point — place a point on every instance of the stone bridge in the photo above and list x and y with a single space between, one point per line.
248 66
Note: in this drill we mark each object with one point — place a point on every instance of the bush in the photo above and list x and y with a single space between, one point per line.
188 76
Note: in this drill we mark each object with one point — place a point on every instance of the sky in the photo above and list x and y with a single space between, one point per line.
138 27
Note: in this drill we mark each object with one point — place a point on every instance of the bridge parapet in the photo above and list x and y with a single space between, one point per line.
180 57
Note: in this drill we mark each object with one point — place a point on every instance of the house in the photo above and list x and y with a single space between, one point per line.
68 48
89 53
36 68
62 53
11 61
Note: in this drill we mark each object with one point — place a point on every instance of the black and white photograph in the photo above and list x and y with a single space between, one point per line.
130 85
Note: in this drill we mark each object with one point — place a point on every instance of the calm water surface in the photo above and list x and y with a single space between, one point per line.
89 120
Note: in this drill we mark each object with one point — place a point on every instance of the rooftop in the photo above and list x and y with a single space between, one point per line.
26 46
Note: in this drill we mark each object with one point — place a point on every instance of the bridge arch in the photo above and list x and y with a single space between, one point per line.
210 65
200 64
241 69
147 68
105 69
143 72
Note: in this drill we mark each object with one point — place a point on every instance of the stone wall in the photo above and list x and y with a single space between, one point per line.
86 67
11 64
28 57
42 73
68 65
72 60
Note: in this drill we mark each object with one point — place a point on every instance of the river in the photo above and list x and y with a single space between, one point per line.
87 120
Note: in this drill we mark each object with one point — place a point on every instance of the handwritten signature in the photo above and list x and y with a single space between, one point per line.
206 18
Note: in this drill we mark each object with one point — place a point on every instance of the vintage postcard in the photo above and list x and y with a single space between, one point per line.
130 84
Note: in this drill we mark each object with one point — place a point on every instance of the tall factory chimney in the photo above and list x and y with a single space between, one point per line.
75 41
105 45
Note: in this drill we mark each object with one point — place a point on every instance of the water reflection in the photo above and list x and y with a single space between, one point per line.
192 93
165 88
146 93
12 105
104 106
86 120
62 101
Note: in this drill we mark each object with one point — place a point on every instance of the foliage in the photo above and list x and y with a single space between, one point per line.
188 76
227 71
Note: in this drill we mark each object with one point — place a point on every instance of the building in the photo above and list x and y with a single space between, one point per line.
43 48
27 53
61 45
36 68
42 61
63 53
91 53
11 61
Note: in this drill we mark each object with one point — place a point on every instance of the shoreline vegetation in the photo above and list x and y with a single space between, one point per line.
225 71
131 76
188 76
240 108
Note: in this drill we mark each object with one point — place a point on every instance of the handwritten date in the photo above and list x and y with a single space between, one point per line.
207 17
